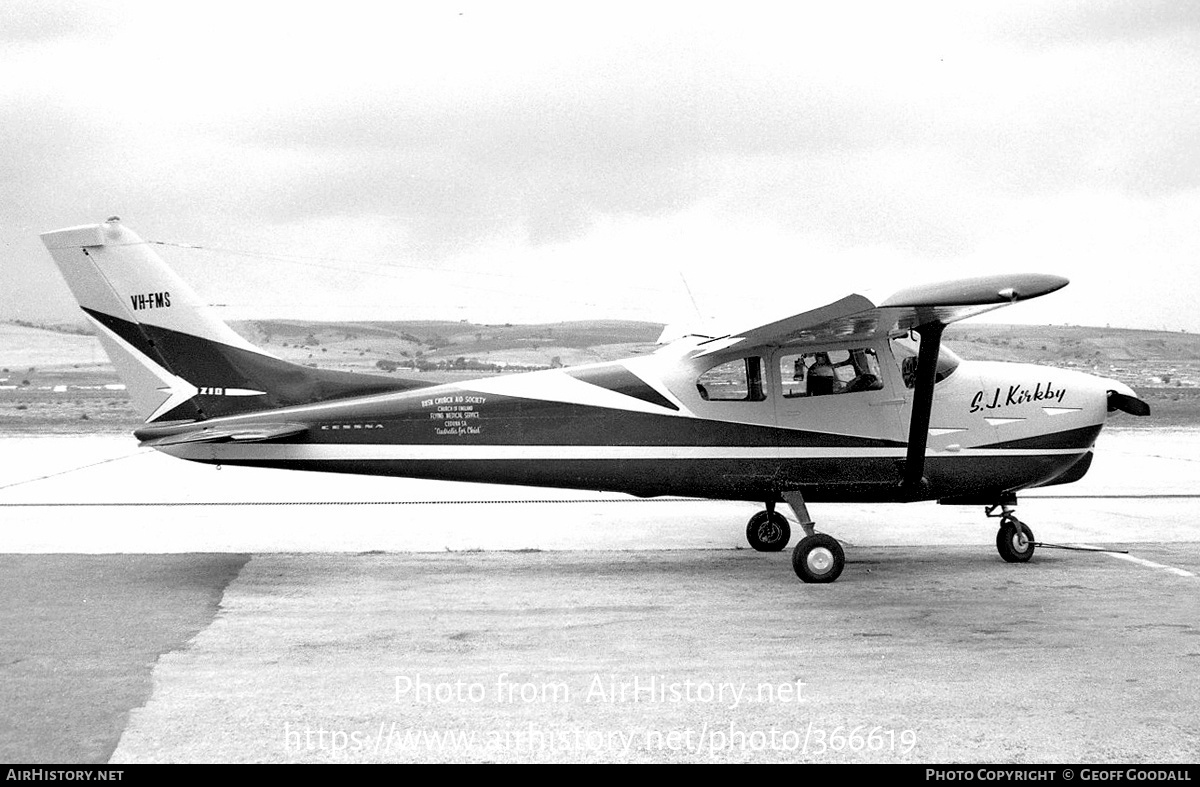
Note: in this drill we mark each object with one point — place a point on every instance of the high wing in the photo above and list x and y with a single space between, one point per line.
858 316
925 308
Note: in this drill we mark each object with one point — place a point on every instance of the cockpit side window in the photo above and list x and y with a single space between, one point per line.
733 381
905 349
829 372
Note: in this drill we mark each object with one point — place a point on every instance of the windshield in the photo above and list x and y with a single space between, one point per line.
905 349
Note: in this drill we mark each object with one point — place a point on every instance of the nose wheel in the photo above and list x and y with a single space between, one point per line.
1014 540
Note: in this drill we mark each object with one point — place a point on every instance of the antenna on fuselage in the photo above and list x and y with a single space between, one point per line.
691 297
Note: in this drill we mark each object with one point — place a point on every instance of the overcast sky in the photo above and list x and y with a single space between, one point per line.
527 162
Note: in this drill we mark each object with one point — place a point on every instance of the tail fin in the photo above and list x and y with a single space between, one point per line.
179 361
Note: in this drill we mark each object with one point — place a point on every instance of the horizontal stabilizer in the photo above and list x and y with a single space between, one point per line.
177 434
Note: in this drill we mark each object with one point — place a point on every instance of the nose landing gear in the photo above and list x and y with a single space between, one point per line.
1014 541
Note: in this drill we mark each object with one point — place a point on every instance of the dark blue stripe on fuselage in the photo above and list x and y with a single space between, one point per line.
859 480
427 418
208 364
619 379
1083 437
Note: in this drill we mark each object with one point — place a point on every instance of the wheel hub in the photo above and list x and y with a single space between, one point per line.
769 532
819 560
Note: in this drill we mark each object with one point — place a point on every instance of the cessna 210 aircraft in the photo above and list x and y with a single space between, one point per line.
855 401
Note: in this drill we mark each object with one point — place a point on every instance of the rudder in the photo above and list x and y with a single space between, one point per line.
179 361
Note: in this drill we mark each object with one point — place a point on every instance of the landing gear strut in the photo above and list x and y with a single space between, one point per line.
768 531
817 558
1014 540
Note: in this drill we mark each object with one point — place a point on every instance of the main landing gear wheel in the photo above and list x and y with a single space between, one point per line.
818 558
1014 541
768 531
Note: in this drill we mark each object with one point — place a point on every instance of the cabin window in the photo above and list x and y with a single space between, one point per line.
829 372
733 381
905 349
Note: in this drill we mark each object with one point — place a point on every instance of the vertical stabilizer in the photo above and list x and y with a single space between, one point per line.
178 360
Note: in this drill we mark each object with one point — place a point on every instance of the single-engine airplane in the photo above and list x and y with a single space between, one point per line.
855 401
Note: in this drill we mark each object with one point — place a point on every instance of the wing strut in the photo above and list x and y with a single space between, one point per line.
914 482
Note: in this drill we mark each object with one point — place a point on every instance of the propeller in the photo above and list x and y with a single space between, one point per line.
1127 404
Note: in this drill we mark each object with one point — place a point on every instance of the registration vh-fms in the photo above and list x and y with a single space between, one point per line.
854 401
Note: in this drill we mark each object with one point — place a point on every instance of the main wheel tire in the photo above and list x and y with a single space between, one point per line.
1014 546
818 558
768 532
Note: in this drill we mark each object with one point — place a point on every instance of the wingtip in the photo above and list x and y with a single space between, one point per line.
979 291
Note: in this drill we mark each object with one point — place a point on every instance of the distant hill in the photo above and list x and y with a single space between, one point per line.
23 345
432 344
1137 357
54 380
1141 358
